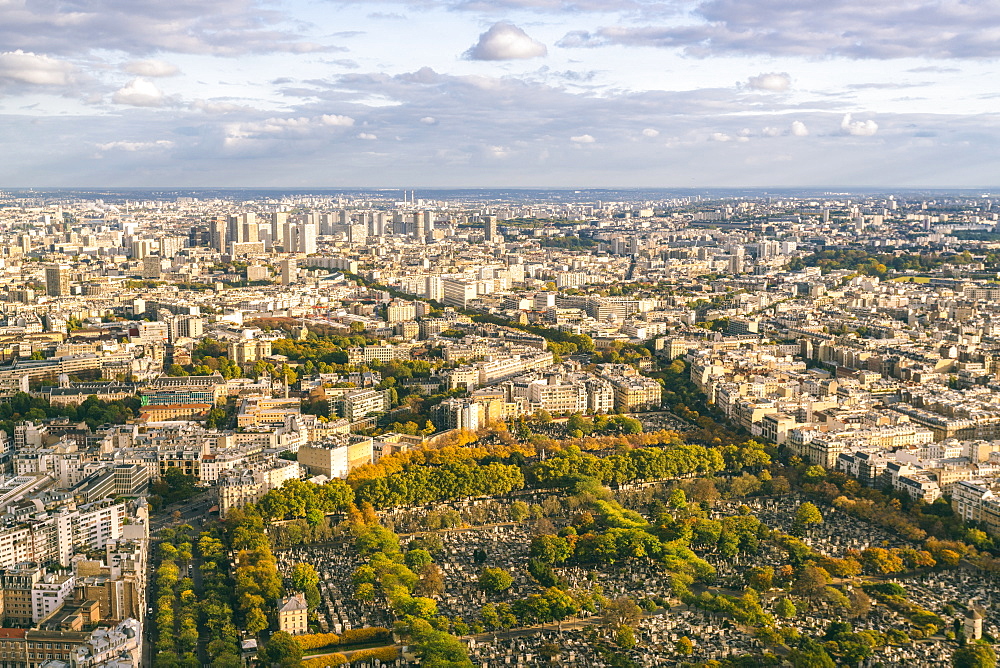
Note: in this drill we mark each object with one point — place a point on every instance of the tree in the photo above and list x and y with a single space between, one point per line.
175 485
625 637
761 578
974 655
811 582
550 549
860 602
810 655
431 581
785 609
495 580
417 558
684 646
897 637
621 612
166 660
490 617
806 515
677 499
703 490
304 576
882 561
227 660
256 621
519 511
365 592
283 649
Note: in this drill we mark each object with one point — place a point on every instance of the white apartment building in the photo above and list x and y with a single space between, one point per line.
48 594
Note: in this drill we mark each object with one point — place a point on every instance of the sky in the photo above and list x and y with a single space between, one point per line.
500 93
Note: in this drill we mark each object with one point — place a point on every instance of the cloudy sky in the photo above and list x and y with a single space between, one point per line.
546 93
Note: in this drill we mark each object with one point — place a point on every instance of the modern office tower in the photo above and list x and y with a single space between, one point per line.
357 234
249 228
736 261
200 236
283 236
327 223
234 229
490 227
377 225
256 272
289 271
219 231
243 228
429 217
171 246
264 236
140 248
307 237
625 245
433 289
300 237
279 219
57 280
152 266
458 292
418 227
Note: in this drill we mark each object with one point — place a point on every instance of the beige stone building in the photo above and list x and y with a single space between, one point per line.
293 615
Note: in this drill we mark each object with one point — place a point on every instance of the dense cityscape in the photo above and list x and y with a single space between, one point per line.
499 428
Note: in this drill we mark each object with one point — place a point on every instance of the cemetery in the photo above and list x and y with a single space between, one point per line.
710 617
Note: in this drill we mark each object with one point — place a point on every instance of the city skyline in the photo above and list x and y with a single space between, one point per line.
219 406
516 94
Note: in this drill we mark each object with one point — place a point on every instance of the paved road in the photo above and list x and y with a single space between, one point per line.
194 508
194 511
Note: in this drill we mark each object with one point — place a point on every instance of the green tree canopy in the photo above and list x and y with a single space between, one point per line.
495 580
974 655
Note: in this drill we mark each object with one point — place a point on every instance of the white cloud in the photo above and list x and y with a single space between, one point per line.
770 131
144 27
133 146
650 132
428 120
582 139
857 29
858 128
303 127
139 93
215 107
335 120
723 137
26 67
775 82
151 68
499 152
799 129
367 135
505 41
